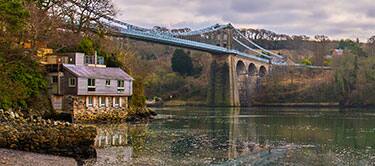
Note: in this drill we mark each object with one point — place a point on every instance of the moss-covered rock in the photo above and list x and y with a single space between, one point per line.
140 114
46 136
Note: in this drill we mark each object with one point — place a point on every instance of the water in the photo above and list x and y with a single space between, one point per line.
234 136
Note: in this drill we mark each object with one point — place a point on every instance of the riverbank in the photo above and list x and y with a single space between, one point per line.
30 134
325 105
46 136
312 105
181 103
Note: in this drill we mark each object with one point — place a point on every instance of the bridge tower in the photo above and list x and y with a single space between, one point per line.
234 80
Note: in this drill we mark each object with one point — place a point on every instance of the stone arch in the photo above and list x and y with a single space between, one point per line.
252 70
262 71
240 68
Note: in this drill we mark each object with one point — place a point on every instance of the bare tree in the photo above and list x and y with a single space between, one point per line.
41 26
320 49
81 14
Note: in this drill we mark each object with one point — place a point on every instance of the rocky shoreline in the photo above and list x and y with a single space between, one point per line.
30 134
45 136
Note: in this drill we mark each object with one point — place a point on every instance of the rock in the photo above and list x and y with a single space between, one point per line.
46 136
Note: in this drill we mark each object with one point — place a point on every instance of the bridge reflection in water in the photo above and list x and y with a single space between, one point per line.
231 136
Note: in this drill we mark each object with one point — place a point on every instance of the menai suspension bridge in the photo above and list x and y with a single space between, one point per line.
244 66
176 39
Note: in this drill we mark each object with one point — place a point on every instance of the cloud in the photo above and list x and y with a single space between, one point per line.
335 18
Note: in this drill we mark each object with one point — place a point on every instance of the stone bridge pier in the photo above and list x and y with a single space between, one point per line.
234 80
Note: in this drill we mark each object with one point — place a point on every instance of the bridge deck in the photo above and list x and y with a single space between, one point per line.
174 41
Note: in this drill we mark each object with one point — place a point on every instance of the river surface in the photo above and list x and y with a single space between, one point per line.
242 136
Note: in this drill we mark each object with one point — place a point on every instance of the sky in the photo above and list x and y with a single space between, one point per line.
338 19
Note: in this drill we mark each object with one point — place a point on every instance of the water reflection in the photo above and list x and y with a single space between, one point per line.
112 135
234 136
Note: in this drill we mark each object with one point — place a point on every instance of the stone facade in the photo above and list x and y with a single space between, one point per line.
78 105
233 80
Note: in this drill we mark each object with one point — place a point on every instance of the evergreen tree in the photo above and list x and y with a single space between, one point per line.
182 63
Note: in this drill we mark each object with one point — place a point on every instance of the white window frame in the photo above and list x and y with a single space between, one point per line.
101 99
115 104
70 82
88 82
120 86
88 101
120 101
107 82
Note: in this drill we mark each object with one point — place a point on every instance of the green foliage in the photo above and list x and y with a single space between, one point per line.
327 62
182 63
306 61
352 46
355 80
345 76
138 100
87 46
22 81
110 60
164 84
12 14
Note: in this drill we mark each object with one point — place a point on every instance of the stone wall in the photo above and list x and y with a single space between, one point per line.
76 106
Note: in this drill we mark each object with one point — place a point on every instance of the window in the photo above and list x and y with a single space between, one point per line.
120 83
72 82
120 86
91 84
102 101
90 101
54 79
116 102
89 59
100 60
108 82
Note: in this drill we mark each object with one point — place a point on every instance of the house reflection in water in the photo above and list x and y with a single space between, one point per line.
110 136
112 145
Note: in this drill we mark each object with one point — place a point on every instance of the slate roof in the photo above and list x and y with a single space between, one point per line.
97 72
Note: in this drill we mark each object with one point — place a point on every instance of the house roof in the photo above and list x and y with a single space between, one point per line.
97 72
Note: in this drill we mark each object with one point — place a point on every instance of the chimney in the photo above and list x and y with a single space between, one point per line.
79 59
96 58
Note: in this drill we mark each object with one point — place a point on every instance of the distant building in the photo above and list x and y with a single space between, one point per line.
337 52
328 56
79 82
